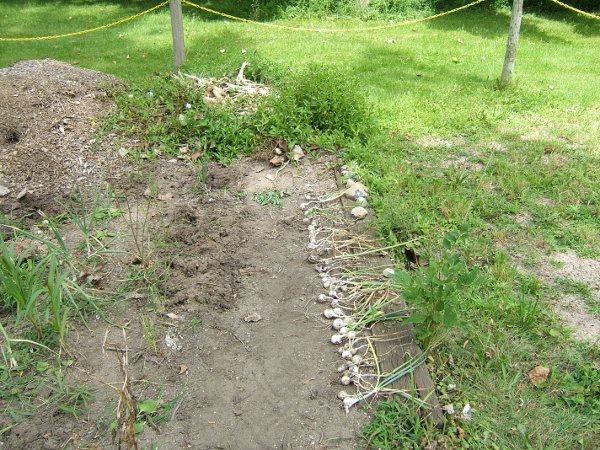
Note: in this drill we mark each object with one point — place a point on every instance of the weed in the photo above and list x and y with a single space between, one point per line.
40 291
196 323
150 333
319 105
154 412
272 197
87 214
434 289
201 169
318 101
170 113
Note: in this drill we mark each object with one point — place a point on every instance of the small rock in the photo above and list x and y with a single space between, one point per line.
297 153
278 151
22 194
277 160
355 190
451 388
254 317
123 152
359 212
4 191
466 412
172 342
448 409
361 201
388 271
147 192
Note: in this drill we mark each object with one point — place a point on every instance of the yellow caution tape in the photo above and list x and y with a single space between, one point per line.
332 30
90 30
585 13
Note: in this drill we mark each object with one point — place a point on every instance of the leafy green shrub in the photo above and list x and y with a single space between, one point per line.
317 101
373 9
434 289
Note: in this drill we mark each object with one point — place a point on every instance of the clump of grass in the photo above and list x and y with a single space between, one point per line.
41 290
399 424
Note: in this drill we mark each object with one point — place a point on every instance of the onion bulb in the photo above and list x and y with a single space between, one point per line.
337 323
336 339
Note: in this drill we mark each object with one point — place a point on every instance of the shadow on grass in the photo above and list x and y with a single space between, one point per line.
490 24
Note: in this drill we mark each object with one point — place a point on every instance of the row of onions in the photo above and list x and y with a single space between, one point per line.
356 299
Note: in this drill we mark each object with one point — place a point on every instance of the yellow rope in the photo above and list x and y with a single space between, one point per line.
90 30
332 30
586 14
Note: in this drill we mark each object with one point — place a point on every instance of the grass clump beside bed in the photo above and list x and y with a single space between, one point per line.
318 105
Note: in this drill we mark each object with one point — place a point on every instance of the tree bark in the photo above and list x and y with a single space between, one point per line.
511 46
177 31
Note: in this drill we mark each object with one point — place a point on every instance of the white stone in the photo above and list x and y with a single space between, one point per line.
359 212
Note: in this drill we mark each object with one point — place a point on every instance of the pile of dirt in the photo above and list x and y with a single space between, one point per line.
48 144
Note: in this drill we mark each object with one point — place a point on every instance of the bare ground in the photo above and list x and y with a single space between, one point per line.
573 309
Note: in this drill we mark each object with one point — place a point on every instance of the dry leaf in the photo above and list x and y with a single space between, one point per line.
461 432
538 374
297 153
277 160
174 316
194 156
183 369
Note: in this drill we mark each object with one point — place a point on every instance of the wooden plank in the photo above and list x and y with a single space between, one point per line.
177 32
393 353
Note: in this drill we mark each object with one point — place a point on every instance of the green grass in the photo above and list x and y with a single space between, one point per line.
519 166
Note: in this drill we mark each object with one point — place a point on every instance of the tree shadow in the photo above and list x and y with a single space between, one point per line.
490 23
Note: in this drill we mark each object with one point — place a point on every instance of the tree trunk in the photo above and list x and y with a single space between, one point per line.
511 46
177 31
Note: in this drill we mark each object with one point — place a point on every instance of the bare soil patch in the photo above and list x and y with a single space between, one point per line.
573 309
230 336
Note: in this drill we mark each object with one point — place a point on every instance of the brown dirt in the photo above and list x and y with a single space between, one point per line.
47 142
237 383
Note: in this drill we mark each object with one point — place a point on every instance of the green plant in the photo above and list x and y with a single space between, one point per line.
41 291
272 197
196 323
86 214
435 289
397 424
154 412
150 333
169 113
317 101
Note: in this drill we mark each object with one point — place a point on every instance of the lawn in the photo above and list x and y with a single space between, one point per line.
519 166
